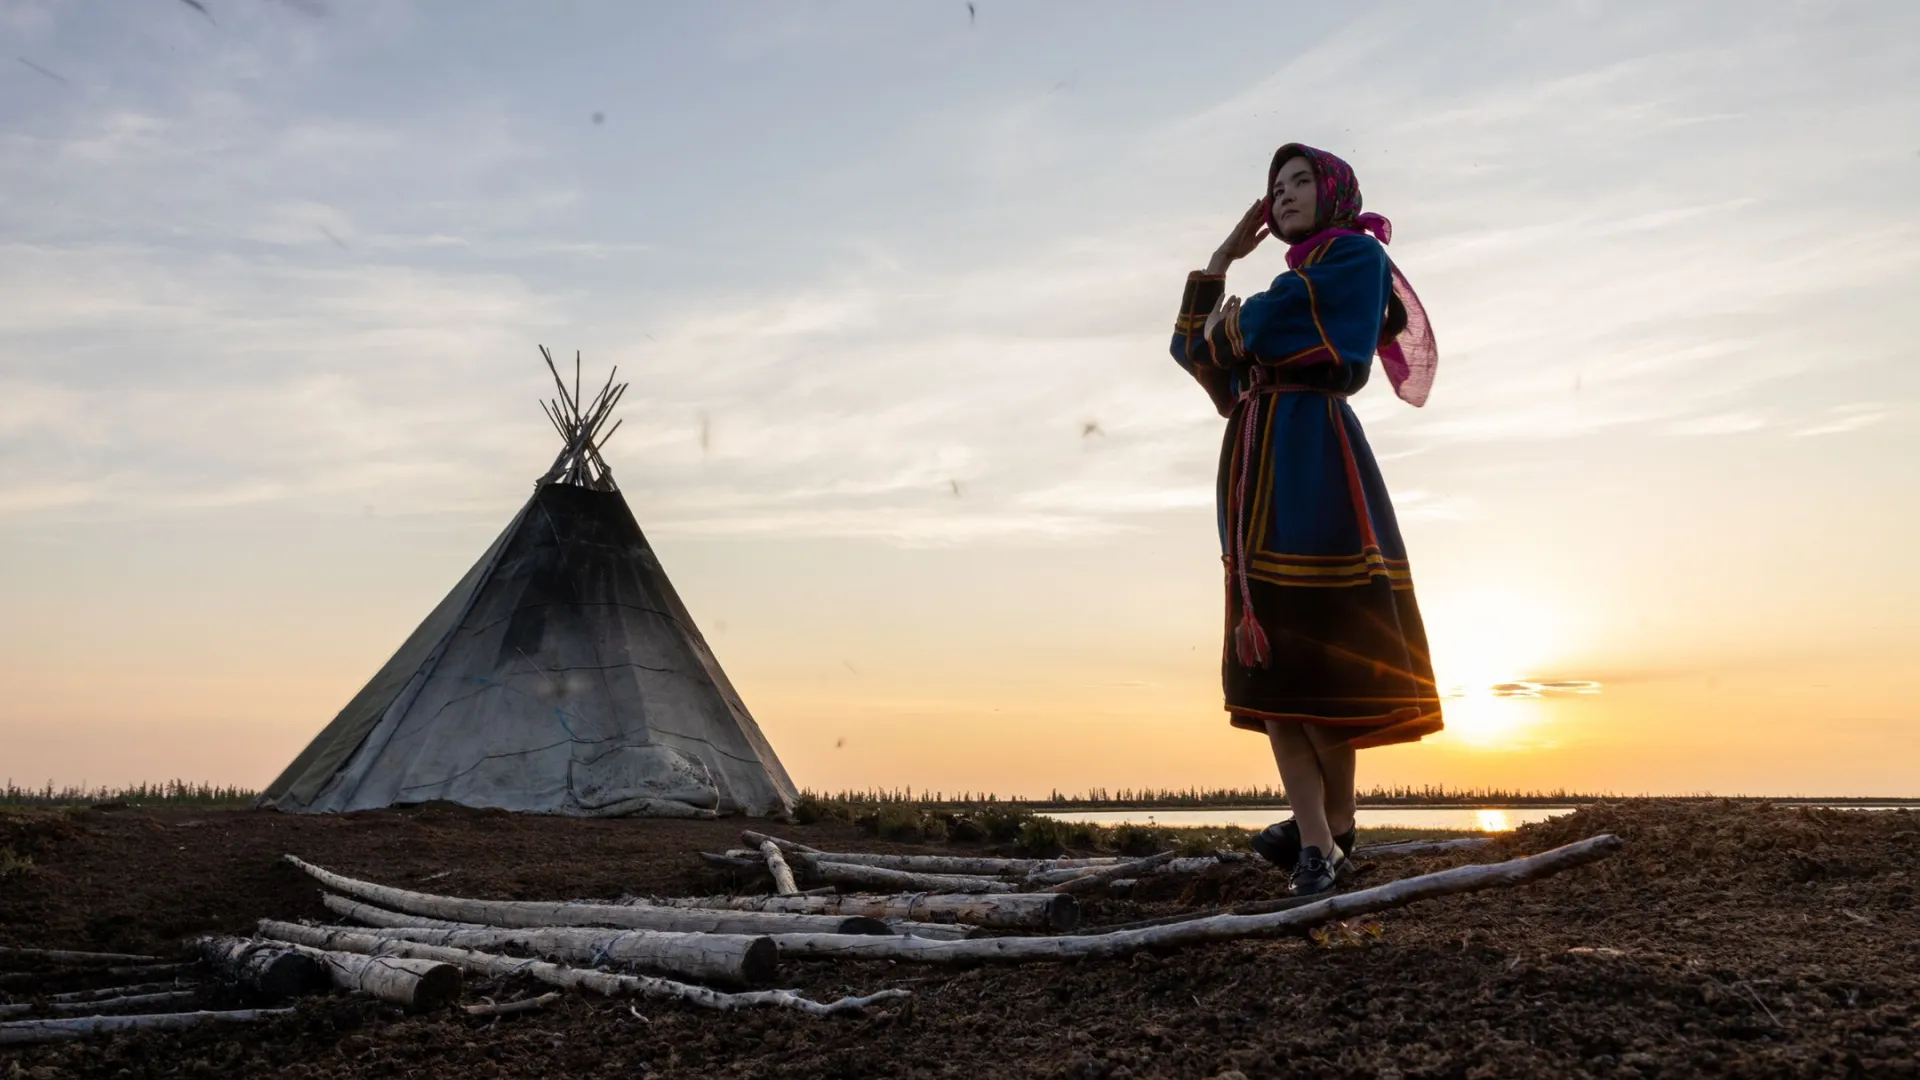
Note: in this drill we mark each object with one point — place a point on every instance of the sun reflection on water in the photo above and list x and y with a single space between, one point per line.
1493 821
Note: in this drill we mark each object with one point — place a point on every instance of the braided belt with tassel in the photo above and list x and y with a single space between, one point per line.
1250 645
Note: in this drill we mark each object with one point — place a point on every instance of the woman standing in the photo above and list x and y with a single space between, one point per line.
1325 652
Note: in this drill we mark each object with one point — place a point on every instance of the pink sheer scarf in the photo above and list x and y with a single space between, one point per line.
1411 358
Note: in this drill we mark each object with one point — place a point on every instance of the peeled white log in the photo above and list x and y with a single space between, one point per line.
1251 907
71 958
508 1008
37 1031
873 877
1192 864
115 991
169 999
411 982
1055 912
1459 879
937 931
601 982
755 839
379 916
1098 878
977 865
268 969
13 980
732 959
546 913
783 882
1419 847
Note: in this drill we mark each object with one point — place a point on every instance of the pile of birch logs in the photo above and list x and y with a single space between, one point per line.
728 951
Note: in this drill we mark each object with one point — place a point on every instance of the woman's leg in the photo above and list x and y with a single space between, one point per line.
1300 775
1338 762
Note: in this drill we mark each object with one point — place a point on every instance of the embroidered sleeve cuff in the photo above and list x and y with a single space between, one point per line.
1197 302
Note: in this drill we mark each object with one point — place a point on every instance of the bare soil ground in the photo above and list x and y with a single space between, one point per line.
1725 940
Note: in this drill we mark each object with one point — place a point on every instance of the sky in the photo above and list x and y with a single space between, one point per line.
893 285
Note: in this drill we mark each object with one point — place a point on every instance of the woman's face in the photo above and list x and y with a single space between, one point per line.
1294 197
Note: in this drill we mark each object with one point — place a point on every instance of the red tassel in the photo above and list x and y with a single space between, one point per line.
1250 642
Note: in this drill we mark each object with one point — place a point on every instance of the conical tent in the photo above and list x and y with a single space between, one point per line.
562 675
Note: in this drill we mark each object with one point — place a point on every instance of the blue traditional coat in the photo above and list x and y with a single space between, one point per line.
1310 523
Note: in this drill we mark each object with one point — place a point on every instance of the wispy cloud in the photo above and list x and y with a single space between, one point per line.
294 300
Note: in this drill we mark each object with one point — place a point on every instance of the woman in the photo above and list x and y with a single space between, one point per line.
1325 651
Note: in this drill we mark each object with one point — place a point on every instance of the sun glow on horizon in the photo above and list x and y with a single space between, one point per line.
1487 645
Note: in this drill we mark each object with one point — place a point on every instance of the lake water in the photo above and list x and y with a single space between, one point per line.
1484 819
1499 819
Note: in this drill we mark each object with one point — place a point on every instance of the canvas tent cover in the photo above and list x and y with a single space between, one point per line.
562 675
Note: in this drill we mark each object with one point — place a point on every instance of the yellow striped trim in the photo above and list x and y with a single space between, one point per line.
1364 555
1398 583
1374 565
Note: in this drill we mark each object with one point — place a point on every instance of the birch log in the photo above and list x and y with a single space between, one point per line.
600 982
976 865
509 1008
1253 907
983 866
272 971
1419 847
31 979
378 916
731 959
1056 912
873 877
411 982
939 931
783 882
1099 878
1459 879
38 1031
127 1003
116 991
945 865
748 866
518 913
755 839
70 958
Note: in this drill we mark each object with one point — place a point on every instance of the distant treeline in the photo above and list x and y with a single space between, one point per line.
167 793
1198 798
182 793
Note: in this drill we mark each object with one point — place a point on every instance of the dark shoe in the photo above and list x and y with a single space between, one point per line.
1343 865
1279 843
1312 874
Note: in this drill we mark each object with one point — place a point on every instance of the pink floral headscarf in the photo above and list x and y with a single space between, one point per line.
1411 357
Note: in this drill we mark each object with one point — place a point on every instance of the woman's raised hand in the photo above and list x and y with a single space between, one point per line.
1245 236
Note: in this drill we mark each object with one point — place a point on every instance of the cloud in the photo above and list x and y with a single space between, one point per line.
276 291
1844 418
1735 423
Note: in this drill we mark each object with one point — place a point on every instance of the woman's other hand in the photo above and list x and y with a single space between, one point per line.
1243 239
1231 305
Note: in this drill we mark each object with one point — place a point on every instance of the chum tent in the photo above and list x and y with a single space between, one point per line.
562 675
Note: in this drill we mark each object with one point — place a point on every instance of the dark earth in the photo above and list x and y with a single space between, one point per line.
1726 939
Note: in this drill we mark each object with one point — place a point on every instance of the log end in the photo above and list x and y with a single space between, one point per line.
439 987
761 961
1063 913
860 924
